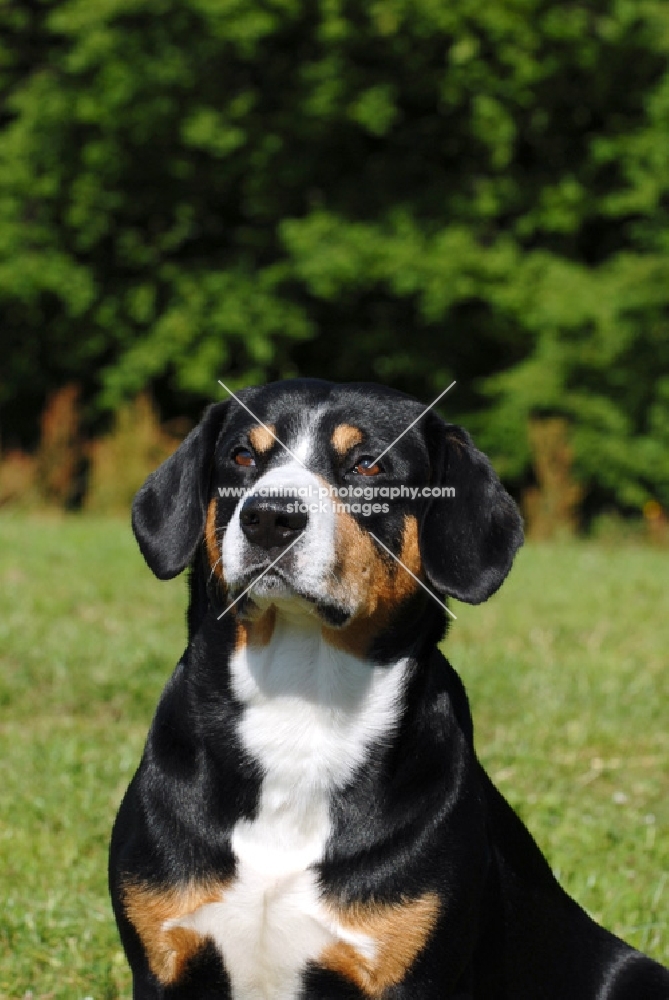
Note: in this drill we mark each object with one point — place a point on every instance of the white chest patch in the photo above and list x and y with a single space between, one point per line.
313 715
267 929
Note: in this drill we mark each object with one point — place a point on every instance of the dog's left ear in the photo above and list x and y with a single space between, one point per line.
169 511
467 541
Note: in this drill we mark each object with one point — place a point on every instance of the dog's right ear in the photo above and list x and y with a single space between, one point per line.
169 511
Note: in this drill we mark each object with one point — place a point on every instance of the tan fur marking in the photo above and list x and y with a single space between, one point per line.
377 581
344 437
256 631
400 930
168 950
260 437
212 543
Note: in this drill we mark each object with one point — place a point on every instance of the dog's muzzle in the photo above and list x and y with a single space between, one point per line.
278 537
271 523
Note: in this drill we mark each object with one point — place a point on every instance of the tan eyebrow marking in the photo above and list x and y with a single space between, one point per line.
344 437
261 437
400 931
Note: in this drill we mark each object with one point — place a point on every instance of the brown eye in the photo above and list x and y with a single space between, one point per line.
244 457
368 467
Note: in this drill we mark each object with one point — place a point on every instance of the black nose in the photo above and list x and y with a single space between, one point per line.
269 521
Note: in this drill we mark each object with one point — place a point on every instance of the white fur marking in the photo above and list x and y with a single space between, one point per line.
267 930
313 555
312 716
305 442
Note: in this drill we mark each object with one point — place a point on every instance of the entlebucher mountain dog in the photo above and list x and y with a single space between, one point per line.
309 820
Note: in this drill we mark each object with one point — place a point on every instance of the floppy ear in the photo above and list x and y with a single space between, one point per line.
169 511
467 541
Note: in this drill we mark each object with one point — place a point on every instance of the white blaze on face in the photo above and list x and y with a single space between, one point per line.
312 557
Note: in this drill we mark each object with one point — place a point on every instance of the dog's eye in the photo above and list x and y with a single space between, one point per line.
243 456
367 467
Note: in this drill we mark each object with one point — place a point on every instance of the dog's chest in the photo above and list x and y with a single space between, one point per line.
267 927
311 719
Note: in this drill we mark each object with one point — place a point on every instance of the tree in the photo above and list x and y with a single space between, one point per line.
402 190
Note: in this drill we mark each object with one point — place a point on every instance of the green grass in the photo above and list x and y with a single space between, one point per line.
566 669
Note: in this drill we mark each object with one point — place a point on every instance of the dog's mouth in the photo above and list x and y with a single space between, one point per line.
259 578
262 586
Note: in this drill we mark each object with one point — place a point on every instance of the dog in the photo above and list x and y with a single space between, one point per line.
309 820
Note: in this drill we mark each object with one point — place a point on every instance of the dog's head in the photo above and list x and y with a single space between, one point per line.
284 490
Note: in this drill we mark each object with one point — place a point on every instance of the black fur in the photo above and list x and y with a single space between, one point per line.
467 547
168 512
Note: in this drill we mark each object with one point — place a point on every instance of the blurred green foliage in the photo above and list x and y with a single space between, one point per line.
408 191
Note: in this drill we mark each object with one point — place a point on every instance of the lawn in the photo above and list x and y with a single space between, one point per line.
567 670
